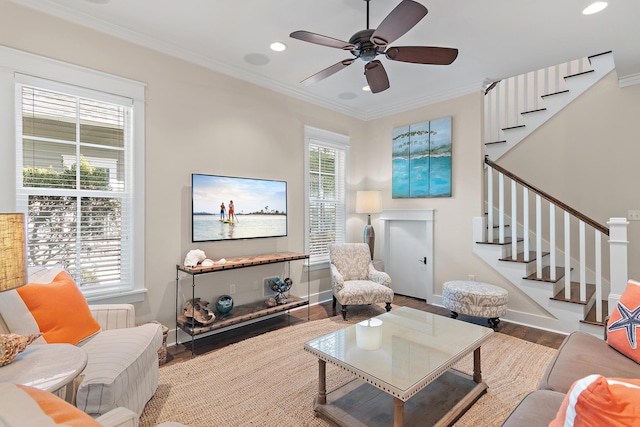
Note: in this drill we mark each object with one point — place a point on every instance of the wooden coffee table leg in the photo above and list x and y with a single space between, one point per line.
477 373
322 382
398 412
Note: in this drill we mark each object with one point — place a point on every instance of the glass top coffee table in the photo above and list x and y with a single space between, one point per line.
401 361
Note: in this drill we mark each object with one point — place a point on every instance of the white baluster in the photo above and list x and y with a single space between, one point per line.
583 264
525 222
552 241
514 221
598 260
567 256
501 208
538 236
489 204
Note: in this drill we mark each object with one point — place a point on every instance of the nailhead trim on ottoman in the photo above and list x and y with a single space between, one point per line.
475 299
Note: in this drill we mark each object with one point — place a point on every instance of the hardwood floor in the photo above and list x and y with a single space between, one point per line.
176 354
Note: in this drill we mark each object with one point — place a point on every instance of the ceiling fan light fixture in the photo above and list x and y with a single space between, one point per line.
278 46
594 7
366 88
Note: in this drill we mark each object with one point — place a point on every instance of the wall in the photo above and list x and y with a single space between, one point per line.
454 258
198 120
590 151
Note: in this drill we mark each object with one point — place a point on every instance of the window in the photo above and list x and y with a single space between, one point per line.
326 179
79 172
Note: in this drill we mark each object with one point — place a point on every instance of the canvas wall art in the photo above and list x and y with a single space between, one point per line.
421 156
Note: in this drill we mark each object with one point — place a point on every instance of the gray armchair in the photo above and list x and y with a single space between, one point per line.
354 280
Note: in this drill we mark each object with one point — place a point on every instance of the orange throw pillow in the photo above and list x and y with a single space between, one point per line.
60 310
599 401
60 411
622 327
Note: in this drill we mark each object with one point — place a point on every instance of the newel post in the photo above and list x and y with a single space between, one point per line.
617 259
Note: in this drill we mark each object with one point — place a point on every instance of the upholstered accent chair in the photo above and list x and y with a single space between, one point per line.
354 280
122 366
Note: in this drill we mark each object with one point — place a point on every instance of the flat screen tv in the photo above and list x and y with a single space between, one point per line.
229 208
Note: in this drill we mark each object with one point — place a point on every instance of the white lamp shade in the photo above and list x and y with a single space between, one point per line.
368 202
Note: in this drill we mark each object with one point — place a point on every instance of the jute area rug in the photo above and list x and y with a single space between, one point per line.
270 380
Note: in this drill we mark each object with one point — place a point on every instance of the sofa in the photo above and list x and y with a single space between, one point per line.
122 359
579 356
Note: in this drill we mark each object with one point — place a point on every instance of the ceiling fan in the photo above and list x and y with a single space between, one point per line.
368 44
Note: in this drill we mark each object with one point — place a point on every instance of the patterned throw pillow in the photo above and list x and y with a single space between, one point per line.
622 327
599 401
60 310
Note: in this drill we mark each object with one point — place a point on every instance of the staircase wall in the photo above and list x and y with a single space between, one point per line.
589 152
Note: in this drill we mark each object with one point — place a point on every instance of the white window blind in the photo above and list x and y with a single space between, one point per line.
73 180
326 187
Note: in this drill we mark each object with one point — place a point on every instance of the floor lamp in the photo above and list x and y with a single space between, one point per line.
13 251
368 202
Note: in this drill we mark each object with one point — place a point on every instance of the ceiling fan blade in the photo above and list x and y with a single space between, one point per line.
401 19
422 54
321 40
327 71
376 76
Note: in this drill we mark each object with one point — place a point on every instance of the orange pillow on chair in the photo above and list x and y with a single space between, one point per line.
622 327
60 310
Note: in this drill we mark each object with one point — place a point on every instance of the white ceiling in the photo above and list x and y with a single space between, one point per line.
495 38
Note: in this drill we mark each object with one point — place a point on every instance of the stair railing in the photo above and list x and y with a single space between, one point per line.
520 233
507 100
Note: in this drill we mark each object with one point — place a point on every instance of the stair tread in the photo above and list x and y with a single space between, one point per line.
514 127
546 275
507 241
575 294
520 257
590 318
579 74
555 93
495 142
533 111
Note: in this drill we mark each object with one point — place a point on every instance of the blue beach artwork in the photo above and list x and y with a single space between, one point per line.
421 163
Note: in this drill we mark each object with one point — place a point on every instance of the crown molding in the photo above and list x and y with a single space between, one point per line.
93 23
632 79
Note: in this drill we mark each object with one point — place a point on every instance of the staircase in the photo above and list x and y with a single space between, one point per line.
550 251
517 106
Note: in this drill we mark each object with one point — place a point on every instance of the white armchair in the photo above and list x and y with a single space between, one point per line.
354 280
122 359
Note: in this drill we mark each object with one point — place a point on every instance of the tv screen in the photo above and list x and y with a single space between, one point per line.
229 208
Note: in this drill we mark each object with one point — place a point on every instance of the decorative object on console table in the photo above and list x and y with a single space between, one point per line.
224 304
368 202
281 287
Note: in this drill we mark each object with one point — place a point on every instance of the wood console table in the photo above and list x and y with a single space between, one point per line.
242 313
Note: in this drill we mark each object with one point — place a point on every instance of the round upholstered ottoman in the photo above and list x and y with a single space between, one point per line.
475 299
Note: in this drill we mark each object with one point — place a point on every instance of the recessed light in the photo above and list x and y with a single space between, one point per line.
256 59
347 95
366 88
594 7
278 46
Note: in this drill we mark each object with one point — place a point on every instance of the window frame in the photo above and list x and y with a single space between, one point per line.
19 68
324 138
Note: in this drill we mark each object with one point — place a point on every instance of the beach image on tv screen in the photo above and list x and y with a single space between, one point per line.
225 208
